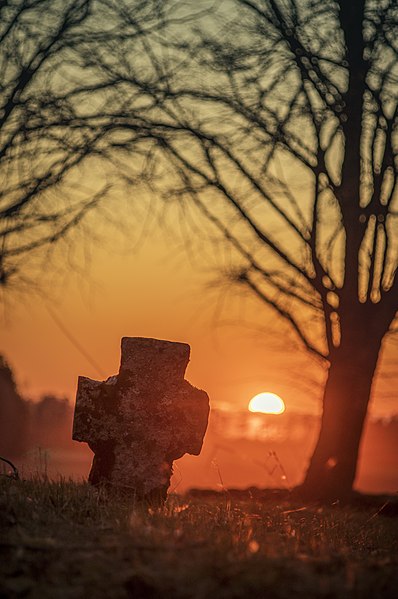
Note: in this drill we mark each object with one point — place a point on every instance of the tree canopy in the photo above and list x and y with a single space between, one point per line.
58 129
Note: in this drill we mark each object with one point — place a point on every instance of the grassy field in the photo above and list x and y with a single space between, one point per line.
67 540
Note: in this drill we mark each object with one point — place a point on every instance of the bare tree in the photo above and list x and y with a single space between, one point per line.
278 120
57 135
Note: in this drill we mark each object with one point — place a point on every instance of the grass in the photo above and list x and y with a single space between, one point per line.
67 540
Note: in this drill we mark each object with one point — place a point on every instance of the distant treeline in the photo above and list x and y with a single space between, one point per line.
25 424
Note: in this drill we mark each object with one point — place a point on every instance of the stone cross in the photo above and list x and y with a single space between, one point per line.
142 419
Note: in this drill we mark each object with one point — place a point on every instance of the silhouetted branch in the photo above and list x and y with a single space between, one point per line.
56 81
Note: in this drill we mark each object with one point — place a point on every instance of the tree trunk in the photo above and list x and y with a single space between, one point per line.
332 468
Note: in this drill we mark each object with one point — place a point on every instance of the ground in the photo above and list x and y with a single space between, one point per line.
68 540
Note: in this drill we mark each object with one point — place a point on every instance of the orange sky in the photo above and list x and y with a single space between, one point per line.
155 291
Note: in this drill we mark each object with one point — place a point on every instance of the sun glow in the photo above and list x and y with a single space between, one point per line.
268 403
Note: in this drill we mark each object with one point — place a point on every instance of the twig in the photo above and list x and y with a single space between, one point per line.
379 510
15 474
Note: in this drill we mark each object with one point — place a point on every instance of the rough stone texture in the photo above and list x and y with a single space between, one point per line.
142 419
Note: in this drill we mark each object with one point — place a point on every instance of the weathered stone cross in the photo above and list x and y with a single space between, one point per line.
142 419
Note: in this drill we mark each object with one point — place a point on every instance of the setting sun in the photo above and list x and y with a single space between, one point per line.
268 403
